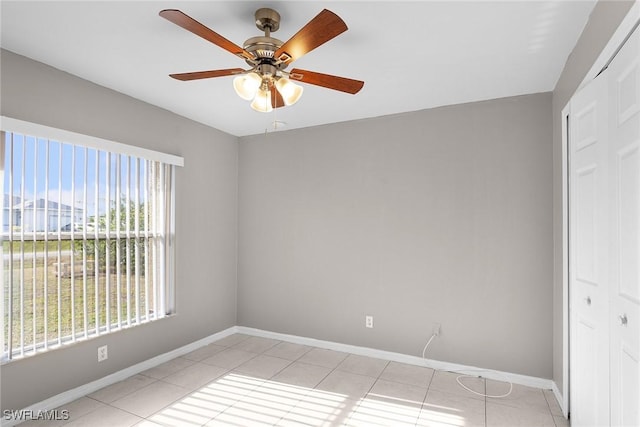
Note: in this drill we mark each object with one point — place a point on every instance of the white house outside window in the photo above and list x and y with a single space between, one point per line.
87 237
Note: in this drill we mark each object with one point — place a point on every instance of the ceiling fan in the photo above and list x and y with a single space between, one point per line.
267 83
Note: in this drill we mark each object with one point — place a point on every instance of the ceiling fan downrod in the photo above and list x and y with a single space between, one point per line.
267 20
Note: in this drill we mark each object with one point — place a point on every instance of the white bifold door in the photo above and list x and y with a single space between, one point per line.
588 254
604 245
624 225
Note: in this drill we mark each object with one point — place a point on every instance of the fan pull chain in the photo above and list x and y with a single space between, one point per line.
266 128
275 111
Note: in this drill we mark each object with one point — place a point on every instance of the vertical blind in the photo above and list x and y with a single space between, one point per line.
87 237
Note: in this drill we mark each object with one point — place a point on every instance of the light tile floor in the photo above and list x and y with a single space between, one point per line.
245 381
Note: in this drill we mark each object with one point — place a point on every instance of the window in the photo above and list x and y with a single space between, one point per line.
87 237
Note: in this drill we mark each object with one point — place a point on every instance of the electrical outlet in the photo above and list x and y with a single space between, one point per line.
436 329
102 353
368 321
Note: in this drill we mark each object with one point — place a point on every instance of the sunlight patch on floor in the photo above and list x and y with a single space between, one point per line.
440 416
240 400
377 410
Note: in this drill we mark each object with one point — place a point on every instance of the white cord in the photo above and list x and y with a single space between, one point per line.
427 345
424 350
483 394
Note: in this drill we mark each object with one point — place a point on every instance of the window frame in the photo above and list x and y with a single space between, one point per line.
167 263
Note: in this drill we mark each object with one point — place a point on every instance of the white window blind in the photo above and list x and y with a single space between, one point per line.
87 237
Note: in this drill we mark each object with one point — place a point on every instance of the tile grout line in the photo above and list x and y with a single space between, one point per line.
109 404
262 380
368 391
314 387
553 417
424 401
336 369
106 405
228 371
484 380
290 363
331 372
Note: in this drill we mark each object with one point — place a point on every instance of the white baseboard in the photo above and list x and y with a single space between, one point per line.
78 392
404 358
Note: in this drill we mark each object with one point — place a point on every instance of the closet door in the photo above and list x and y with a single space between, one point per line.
588 256
624 191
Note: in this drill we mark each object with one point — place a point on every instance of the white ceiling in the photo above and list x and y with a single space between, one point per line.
411 55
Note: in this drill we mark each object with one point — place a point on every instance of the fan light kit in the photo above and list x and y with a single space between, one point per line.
266 84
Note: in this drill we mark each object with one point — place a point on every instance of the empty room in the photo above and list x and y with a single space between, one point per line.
339 213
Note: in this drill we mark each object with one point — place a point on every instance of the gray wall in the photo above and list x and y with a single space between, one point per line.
442 215
206 222
603 21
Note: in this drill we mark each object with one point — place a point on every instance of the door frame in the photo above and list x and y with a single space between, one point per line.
630 22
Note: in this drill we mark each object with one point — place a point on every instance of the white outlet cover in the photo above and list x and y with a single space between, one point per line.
368 321
103 353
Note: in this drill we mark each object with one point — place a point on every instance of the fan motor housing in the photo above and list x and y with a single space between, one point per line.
261 46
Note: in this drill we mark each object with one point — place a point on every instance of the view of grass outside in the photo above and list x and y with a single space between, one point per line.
66 291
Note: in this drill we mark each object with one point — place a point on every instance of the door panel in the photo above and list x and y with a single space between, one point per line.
624 193
586 227
588 254
586 129
583 385
626 414
629 212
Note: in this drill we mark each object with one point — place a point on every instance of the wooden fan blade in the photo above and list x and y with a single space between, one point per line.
276 98
325 26
190 24
206 74
342 84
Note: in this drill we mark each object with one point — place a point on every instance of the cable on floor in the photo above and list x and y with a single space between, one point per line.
424 350
497 396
